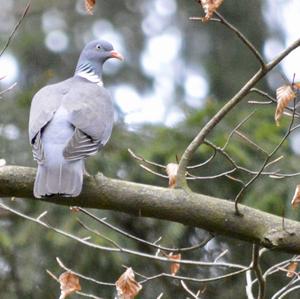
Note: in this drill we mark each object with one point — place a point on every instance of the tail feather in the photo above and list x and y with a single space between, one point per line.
65 179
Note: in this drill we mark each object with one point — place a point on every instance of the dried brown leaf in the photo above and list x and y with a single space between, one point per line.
292 267
171 171
209 7
74 209
296 198
127 287
69 284
89 6
174 266
284 95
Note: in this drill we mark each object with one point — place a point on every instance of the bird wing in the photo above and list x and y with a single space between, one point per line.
91 113
43 106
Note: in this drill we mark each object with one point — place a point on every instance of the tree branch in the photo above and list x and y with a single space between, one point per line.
199 139
213 214
15 28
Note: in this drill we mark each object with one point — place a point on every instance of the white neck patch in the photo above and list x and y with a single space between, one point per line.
90 76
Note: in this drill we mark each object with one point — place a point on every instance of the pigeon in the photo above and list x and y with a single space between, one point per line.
70 121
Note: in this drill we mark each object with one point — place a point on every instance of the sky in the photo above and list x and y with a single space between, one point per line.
160 59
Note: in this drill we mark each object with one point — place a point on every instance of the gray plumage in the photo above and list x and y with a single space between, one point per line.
70 121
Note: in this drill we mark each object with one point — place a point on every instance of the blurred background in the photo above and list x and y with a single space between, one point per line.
177 73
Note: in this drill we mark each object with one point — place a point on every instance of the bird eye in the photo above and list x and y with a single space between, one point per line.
98 47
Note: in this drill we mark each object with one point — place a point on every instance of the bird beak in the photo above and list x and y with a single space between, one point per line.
115 54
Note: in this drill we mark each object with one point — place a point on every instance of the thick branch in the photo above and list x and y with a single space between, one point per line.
213 214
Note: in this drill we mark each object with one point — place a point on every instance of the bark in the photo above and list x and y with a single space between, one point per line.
213 214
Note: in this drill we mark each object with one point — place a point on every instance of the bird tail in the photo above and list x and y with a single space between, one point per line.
64 178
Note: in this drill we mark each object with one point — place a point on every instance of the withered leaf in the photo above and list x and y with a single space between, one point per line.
292 267
89 6
209 7
74 209
127 287
284 95
174 266
69 284
171 171
296 198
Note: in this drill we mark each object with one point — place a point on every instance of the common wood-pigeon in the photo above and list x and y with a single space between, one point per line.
70 121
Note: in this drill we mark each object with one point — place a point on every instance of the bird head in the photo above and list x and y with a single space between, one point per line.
95 53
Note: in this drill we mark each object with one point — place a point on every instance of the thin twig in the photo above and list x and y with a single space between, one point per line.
154 172
88 295
7 89
255 265
124 250
289 291
205 162
15 28
254 178
141 159
272 100
109 284
241 123
99 234
52 275
185 287
210 177
199 139
192 279
249 284
244 169
247 139
286 287
78 292
154 245
243 38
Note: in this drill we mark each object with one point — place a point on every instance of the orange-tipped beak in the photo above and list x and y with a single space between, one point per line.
115 54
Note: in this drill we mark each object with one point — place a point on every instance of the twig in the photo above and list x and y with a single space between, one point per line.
249 284
195 296
52 275
7 89
247 139
210 177
124 250
88 295
41 215
241 168
99 234
141 159
192 279
272 100
109 284
243 38
257 270
237 127
205 162
199 139
154 245
154 172
254 178
78 292
221 255
289 291
285 288
15 28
